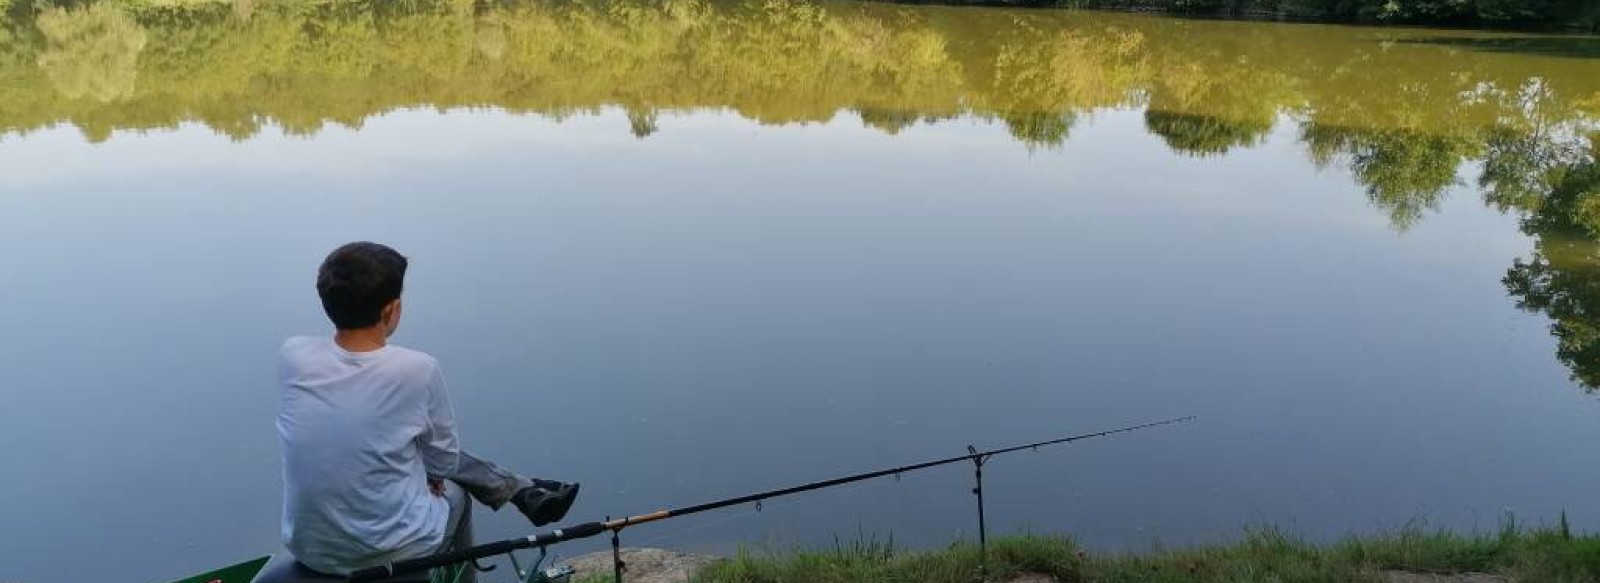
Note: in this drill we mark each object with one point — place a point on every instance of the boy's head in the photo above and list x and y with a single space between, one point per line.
360 285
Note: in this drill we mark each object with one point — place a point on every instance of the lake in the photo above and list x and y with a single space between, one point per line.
683 250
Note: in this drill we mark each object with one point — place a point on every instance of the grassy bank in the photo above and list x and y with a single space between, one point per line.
1544 555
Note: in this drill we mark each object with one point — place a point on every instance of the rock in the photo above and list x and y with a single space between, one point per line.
644 565
1409 577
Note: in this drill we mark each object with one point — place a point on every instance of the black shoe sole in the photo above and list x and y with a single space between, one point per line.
555 507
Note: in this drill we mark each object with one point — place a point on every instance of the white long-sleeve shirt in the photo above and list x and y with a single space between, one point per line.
361 432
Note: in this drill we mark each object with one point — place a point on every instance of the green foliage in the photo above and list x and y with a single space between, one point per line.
1262 555
1573 13
1429 552
1545 554
889 121
1040 129
1203 135
1212 86
1562 278
1198 5
877 562
1405 172
92 52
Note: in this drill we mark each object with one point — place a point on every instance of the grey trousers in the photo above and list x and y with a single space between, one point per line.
474 479
489 484
458 530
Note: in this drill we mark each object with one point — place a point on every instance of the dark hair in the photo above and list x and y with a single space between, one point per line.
357 280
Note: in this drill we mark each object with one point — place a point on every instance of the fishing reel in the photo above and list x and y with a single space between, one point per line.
561 574
534 574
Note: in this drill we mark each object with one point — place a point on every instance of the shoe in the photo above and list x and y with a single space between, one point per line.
550 485
545 501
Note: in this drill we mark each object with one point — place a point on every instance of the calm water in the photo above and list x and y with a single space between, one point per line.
682 250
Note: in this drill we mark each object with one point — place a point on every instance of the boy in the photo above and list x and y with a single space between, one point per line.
373 470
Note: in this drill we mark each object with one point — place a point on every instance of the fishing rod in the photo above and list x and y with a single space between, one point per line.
615 526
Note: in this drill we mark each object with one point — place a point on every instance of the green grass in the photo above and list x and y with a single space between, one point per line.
1550 555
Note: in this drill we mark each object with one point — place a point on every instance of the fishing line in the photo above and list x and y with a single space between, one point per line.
782 503
615 526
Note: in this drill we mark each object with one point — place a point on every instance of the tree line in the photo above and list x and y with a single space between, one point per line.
1575 14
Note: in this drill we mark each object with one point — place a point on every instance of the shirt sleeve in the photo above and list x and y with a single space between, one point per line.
441 449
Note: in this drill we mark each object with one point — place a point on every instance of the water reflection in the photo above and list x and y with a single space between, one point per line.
1202 135
91 53
1562 278
1572 46
1404 111
1210 86
1405 172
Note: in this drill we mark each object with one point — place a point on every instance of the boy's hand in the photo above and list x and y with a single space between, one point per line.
436 485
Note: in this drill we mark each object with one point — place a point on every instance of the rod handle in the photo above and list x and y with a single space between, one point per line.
409 566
